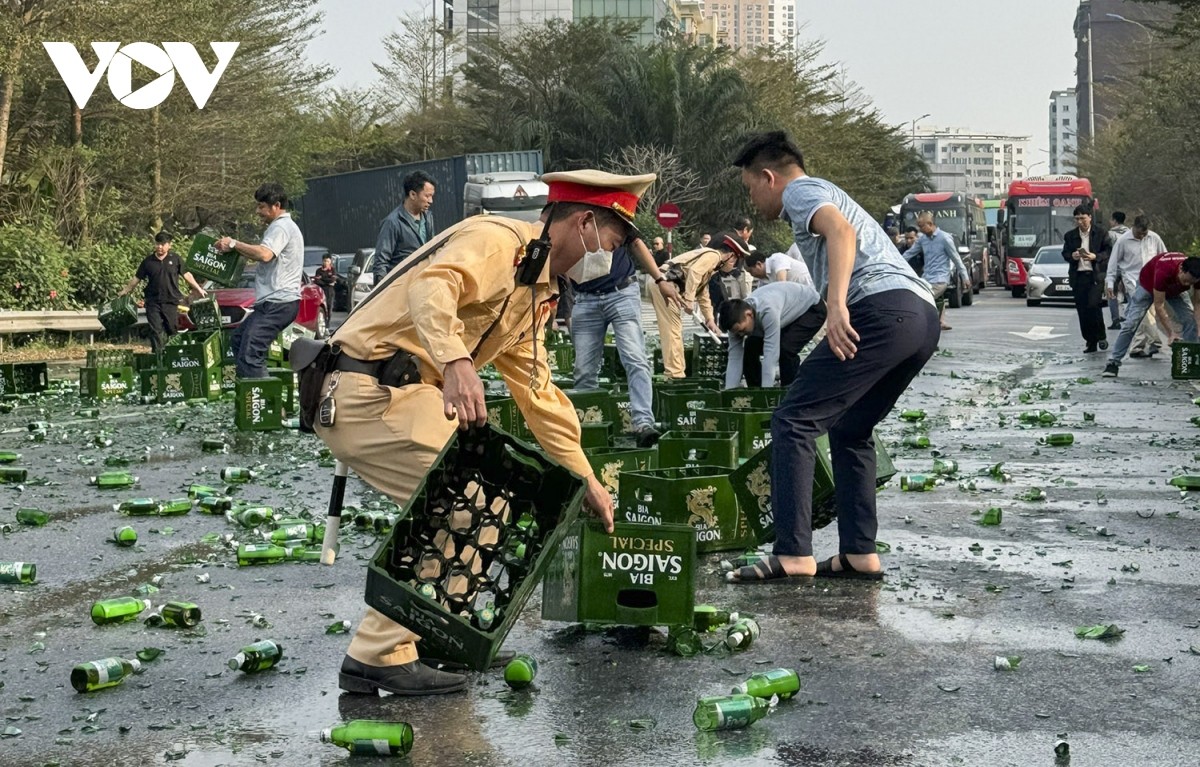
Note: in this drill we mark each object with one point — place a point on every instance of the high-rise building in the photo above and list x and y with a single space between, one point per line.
751 23
1064 129
698 25
981 164
1114 42
475 19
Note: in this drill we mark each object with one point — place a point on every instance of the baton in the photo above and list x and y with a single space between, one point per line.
333 518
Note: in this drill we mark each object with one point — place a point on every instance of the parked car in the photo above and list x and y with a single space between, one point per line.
1048 279
360 272
235 303
313 256
342 263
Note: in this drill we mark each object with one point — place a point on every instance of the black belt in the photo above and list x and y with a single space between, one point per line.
347 364
398 370
619 286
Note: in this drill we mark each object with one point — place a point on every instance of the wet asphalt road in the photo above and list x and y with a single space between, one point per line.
898 674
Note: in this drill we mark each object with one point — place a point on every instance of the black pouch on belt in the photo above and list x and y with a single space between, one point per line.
312 360
399 370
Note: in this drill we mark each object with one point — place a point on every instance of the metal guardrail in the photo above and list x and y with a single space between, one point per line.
70 322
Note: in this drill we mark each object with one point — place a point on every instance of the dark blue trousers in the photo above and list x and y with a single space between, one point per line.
252 339
898 333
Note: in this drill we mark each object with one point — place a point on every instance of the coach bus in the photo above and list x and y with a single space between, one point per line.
1039 212
961 216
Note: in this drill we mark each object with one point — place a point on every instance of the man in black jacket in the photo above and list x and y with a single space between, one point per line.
406 228
1086 249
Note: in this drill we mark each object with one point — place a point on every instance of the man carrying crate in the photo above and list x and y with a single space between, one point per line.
161 270
403 372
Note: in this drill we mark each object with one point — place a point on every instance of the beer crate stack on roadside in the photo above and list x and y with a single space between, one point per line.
472 544
23 378
190 367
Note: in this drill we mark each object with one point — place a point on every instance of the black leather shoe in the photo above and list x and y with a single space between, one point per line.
1091 349
500 661
1115 326
1138 355
409 679
647 436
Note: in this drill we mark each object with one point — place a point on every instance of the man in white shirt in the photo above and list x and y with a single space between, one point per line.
779 267
1130 253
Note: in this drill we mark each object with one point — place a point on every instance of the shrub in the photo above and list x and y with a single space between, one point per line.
33 268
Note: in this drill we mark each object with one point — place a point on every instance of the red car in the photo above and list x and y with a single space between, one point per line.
235 303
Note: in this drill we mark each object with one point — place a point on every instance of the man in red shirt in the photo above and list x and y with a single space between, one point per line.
1161 284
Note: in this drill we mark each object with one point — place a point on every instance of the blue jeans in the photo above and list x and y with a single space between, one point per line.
846 399
1135 311
622 309
252 339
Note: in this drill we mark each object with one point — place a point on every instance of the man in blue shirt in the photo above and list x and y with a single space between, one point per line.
406 228
774 322
881 328
940 252
615 299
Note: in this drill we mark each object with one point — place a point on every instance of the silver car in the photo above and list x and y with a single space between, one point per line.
1048 277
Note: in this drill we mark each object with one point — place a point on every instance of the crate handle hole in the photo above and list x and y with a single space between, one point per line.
638 599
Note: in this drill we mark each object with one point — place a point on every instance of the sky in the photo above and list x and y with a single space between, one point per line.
987 66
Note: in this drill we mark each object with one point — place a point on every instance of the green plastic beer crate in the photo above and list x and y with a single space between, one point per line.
105 382
611 367
752 399
228 378
8 383
503 414
227 347
594 435
1185 361
752 426
679 410
590 406
561 359
275 353
288 377
639 575
185 384
503 467
118 314
23 378
685 449
700 496
752 485
204 260
258 404
205 315
109 358
708 358
609 462
289 334
147 381
146 361
193 351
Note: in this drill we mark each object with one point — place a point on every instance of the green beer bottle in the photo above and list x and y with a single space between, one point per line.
13 474
237 475
1186 482
742 634
103 439
1043 417
88 412
783 682
1062 439
250 516
257 657
365 518
520 672
38 435
196 492
428 590
371 737
297 531
125 536
913 415
302 553
138 507
916 440
992 517
215 504
9 456
731 712
118 610
175 507
116 461
98 674
945 466
916 483
38 426
707 618
684 641
484 618
214 446
260 554
384 522
32 517
18 572
181 614
113 479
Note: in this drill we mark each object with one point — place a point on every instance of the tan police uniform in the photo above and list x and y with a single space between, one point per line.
698 267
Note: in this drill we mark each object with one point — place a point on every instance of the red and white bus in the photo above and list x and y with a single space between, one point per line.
1039 212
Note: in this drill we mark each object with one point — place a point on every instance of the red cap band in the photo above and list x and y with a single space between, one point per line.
624 203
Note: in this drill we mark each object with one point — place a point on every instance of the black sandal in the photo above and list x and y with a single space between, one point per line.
825 570
769 568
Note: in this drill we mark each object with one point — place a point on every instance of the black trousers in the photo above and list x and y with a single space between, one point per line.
792 340
1088 292
163 320
898 333
252 339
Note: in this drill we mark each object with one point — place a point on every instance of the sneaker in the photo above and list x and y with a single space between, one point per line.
1115 326
1111 370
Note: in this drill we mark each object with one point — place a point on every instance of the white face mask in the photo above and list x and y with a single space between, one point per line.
594 264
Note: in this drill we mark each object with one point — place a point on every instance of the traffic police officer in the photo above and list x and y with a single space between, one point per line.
467 298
